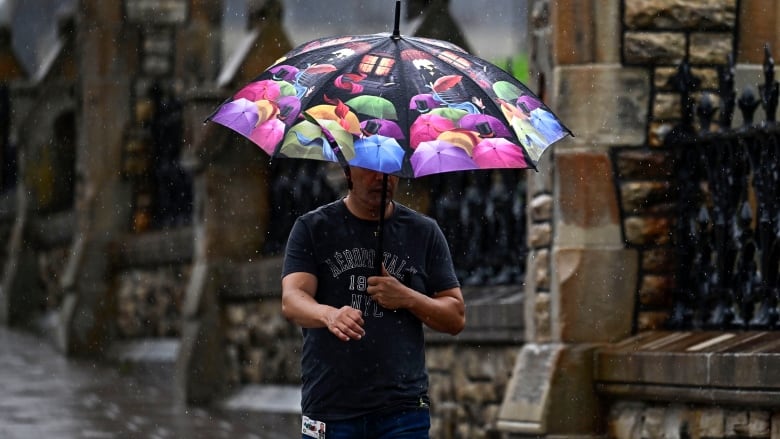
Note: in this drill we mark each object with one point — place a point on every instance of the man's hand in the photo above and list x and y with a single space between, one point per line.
346 323
445 311
389 292
299 306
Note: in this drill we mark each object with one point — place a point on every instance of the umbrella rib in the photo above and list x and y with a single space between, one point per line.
405 114
306 100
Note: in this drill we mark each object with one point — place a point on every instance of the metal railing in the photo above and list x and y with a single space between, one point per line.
482 215
727 235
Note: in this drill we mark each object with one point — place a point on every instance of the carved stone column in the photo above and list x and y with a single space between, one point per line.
581 279
102 197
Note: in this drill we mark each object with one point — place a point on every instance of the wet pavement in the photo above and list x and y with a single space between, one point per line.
43 394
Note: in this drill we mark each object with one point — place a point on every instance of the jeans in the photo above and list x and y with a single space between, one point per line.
410 423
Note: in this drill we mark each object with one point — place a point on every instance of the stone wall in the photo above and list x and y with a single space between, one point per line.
679 400
467 384
629 420
468 373
38 219
658 36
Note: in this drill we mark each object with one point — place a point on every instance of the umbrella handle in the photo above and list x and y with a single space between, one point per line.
381 228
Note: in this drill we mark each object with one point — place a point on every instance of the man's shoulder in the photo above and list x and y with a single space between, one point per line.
324 211
412 215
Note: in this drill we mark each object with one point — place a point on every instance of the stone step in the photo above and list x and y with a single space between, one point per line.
275 409
152 360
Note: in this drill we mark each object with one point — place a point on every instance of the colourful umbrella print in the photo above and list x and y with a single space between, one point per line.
414 90
394 104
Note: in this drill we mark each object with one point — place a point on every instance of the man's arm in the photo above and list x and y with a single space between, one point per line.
300 307
445 311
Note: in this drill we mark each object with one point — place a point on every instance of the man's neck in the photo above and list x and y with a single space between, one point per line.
365 212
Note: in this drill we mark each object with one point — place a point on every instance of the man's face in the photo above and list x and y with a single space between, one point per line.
367 186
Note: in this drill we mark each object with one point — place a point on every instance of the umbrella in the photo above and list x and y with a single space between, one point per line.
437 156
399 105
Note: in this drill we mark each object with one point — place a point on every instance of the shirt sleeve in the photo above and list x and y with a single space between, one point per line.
299 252
441 271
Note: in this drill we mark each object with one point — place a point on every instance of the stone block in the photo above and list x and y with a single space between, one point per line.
736 423
593 294
646 197
759 424
662 78
657 132
540 208
551 392
647 230
541 268
625 419
666 106
649 320
643 163
680 14
441 388
708 48
708 77
654 367
618 95
748 369
658 260
775 425
527 396
655 290
476 392
529 296
482 365
587 208
711 423
675 416
653 423
269 398
542 324
584 31
763 19
162 12
540 235
440 358
654 48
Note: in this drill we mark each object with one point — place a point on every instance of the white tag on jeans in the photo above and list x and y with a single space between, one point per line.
312 428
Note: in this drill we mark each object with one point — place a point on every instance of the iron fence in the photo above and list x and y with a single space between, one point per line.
482 215
727 234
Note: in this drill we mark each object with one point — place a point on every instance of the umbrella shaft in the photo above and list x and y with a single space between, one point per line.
380 228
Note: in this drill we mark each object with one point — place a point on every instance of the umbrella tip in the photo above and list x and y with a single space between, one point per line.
396 30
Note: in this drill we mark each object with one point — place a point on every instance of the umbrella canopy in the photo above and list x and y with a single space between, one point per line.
373 99
394 104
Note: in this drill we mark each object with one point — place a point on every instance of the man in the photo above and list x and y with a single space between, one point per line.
363 358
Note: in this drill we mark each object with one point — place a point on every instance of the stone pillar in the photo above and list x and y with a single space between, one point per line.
759 22
231 207
106 54
198 44
581 279
13 308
